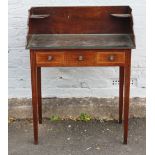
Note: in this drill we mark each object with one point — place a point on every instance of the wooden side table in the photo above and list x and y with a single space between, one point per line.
70 48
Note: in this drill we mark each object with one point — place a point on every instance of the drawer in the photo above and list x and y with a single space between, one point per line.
50 58
80 58
110 58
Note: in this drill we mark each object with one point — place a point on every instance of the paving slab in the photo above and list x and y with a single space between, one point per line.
69 137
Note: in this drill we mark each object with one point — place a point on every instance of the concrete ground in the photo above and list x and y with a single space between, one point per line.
99 108
77 138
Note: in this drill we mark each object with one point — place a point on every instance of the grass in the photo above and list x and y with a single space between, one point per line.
55 118
84 117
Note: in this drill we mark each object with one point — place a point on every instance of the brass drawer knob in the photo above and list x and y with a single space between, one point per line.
80 58
111 58
50 58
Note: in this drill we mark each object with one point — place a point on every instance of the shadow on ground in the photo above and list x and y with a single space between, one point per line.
77 138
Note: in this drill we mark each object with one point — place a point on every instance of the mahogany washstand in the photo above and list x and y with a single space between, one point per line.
80 37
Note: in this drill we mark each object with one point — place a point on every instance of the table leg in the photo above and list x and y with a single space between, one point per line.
39 94
121 86
126 93
34 95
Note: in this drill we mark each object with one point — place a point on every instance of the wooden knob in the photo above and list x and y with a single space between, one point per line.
111 58
80 58
50 58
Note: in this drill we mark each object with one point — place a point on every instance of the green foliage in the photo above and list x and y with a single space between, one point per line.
55 118
84 117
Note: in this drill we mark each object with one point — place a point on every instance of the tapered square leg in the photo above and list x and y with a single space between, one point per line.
39 94
126 93
34 95
121 86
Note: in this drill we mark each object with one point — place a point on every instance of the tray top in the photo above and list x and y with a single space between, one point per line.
97 27
80 41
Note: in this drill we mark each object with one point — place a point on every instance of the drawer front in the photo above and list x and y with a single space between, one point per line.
80 58
50 58
76 58
110 58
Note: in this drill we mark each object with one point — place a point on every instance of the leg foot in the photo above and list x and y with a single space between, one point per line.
126 94
34 96
39 94
121 86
